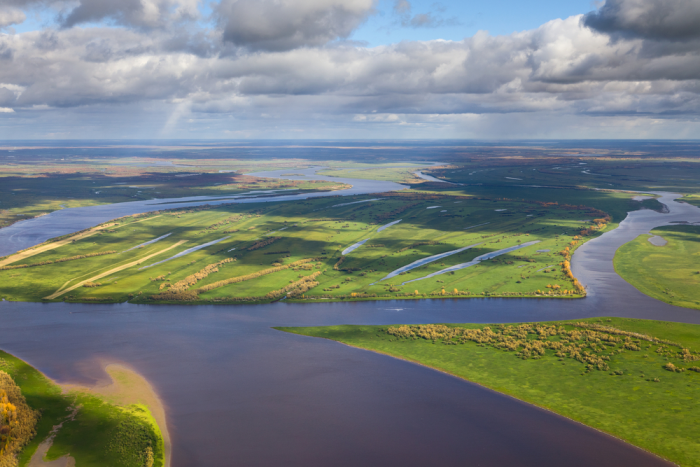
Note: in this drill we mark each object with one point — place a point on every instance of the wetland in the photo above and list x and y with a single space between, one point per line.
230 384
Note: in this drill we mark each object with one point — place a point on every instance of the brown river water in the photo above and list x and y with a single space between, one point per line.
240 393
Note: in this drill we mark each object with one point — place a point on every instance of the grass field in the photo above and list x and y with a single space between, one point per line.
670 273
265 252
643 388
100 434
26 196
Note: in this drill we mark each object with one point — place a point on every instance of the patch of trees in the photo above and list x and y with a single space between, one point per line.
17 420
254 275
263 243
527 341
296 288
192 279
107 298
228 220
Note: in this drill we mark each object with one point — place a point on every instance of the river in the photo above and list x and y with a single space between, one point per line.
240 393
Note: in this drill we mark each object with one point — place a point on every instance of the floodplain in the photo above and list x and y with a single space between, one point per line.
265 252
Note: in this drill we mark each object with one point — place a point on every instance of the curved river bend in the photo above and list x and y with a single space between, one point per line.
239 393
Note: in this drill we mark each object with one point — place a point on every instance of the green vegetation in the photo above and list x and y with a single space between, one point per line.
499 199
24 195
17 421
277 245
635 379
93 431
671 272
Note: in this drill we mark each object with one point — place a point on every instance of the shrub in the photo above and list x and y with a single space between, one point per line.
17 421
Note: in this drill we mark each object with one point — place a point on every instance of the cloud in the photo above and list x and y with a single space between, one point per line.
561 65
136 13
290 68
10 16
650 19
7 97
288 24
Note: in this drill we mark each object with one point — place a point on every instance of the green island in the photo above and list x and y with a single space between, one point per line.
668 270
469 245
108 426
638 380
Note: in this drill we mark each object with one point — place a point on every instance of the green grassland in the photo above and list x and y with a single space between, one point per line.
595 374
34 185
679 175
29 196
100 435
317 231
670 273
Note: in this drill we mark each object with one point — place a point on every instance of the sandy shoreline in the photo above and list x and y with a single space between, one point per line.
125 386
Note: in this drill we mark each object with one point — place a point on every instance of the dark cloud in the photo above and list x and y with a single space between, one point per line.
7 97
289 24
649 19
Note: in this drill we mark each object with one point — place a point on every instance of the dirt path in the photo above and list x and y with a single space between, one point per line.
50 246
60 292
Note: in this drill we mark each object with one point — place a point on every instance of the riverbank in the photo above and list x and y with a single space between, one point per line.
116 423
629 378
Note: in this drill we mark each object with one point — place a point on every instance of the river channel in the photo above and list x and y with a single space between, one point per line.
240 393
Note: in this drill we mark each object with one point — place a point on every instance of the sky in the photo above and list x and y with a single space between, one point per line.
349 69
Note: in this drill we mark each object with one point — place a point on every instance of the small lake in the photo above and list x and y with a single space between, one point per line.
240 393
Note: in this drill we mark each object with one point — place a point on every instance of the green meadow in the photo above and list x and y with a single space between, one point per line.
635 379
264 252
98 434
670 273
23 196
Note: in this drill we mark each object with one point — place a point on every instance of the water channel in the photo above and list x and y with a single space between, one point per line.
240 393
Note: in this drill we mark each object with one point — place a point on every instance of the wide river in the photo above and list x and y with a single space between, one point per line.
240 393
